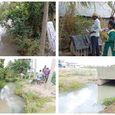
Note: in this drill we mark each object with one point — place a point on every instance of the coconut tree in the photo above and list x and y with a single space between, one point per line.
44 29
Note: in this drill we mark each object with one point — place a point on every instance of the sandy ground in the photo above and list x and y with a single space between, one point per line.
44 90
69 73
4 107
109 109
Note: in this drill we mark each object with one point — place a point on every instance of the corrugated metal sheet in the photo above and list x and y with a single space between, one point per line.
101 8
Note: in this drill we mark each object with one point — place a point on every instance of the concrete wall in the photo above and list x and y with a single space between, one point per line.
106 72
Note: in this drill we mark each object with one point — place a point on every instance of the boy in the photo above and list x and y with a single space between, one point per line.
111 39
39 76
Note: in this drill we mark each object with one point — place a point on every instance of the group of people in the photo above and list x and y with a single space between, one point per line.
96 37
43 74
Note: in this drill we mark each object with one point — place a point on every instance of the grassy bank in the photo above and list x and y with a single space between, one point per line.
109 101
73 79
67 85
110 105
34 102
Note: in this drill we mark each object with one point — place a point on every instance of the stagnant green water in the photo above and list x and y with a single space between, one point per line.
9 102
86 100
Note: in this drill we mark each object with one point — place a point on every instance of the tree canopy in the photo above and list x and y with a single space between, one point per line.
20 65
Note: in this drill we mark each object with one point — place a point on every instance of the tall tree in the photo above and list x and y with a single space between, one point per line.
44 28
20 65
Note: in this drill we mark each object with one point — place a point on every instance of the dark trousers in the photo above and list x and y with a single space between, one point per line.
95 46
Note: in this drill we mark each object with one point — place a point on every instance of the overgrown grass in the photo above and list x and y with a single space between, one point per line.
109 101
34 103
19 88
27 46
67 84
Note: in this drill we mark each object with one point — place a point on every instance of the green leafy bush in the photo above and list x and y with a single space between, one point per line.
2 83
109 101
27 46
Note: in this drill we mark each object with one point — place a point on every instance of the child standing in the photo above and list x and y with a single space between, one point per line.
39 76
111 39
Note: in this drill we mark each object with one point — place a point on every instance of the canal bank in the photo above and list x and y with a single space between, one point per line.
89 99
79 92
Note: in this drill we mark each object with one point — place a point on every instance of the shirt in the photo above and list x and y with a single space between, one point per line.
47 72
111 35
39 76
96 27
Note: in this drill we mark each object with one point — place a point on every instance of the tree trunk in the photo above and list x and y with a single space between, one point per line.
44 29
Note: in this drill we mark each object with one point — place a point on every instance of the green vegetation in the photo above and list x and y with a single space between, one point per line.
67 84
109 101
74 24
25 27
2 83
33 101
19 88
19 66
11 73
73 79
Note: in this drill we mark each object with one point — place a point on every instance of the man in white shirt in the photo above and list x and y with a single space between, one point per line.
95 35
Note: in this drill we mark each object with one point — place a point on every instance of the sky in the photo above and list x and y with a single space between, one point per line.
41 62
93 61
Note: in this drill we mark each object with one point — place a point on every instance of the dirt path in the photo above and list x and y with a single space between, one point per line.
42 89
4 107
109 109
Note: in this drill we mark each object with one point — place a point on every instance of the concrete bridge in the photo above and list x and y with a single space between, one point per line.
105 74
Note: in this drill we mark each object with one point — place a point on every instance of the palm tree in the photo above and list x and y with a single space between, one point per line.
44 28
